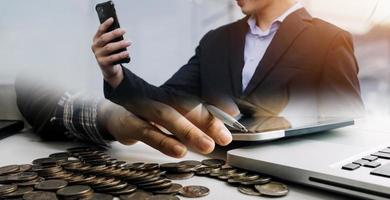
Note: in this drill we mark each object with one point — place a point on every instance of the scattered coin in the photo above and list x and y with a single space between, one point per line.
213 162
6 189
8 169
193 163
163 197
75 190
273 189
100 196
194 191
248 190
203 170
18 192
41 195
173 189
51 185
89 173
138 195
179 176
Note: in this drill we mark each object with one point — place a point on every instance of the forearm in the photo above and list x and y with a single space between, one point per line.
57 115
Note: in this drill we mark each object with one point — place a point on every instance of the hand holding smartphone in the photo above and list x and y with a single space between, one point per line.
105 11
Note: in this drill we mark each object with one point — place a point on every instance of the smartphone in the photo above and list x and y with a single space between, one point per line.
10 127
105 11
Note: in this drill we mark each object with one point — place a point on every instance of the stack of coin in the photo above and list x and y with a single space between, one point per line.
89 173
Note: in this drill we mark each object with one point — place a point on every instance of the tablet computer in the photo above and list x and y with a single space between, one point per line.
271 128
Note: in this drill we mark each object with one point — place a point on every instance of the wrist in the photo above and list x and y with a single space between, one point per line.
114 79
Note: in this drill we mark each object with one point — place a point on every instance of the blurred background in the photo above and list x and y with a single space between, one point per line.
53 38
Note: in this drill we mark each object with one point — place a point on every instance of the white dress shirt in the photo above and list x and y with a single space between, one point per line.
257 42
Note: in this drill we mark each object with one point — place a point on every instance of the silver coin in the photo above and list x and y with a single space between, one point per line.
41 195
137 195
100 196
173 189
18 192
9 169
5 189
194 191
203 170
179 176
75 190
248 190
193 163
51 185
213 162
163 197
273 189
259 181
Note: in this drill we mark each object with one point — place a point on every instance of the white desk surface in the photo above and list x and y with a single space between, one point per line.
25 147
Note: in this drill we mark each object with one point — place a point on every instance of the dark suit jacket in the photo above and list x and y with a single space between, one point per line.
307 55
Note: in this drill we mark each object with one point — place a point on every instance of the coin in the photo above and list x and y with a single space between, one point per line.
169 167
24 176
213 162
18 192
127 190
157 182
194 191
30 183
100 196
160 186
173 189
273 189
179 176
259 181
163 197
8 169
25 167
41 195
203 170
193 163
138 195
249 190
75 190
5 189
53 184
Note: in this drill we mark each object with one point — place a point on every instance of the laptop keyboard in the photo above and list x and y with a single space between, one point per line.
371 161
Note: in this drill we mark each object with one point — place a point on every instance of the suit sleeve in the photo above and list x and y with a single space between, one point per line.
37 102
55 114
186 80
339 88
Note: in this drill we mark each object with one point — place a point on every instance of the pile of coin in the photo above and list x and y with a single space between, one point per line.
88 173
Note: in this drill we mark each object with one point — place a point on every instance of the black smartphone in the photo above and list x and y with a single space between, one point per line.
105 11
10 127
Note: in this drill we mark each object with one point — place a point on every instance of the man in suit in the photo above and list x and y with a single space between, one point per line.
277 56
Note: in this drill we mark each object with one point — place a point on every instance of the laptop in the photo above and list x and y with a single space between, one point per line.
272 128
352 160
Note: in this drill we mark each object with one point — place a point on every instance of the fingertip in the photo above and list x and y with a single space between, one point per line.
227 137
179 151
206 145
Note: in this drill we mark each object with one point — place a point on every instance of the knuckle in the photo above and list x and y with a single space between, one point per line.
187 132
108 48
111 58
163 112
163 143
214 126
146 133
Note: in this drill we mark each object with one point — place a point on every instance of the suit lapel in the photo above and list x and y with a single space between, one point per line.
237 35
288 31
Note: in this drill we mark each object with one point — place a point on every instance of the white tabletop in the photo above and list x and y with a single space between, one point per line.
25 147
